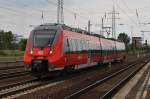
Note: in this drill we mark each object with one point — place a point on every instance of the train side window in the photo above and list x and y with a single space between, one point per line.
76 44
66 45
79 45
31 37
84 46
70 45
73 45
87 45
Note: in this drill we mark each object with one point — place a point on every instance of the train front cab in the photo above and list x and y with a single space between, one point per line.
43 49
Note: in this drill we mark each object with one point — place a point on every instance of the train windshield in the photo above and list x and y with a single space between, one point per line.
43 38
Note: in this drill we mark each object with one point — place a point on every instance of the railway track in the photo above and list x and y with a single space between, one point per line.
11 65
18 87
22 87
11 69
25 86
120 84
4 68
4 62
101 84
13 74
76 81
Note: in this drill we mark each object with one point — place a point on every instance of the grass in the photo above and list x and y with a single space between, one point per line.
11 53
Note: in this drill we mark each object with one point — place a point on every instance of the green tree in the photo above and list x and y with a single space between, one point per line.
1 39
123 37
22 44
6 40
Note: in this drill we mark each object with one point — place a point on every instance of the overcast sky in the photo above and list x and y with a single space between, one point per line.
18 15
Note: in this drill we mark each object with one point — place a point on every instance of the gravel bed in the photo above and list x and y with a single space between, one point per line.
77 81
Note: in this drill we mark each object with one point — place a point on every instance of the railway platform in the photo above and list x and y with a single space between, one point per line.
138 87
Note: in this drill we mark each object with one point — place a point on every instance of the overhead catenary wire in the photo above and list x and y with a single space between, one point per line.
137 14
19 12
124 12
25 6
8 11
67 10
83 17
70 12
16 12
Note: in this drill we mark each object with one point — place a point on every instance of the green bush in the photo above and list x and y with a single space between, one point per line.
11 53
2 53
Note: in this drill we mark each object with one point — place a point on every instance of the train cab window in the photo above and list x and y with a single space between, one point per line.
31 37
43 38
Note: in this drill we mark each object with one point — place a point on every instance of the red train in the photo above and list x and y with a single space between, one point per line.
53 47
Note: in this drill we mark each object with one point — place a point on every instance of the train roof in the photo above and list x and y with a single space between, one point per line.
68 28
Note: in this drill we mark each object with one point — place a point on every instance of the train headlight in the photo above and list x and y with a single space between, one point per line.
50 52
31 51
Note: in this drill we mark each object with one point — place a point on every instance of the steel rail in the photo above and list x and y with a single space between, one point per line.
15 74
97 83
120 84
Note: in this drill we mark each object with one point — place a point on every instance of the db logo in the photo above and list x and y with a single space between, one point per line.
40 52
